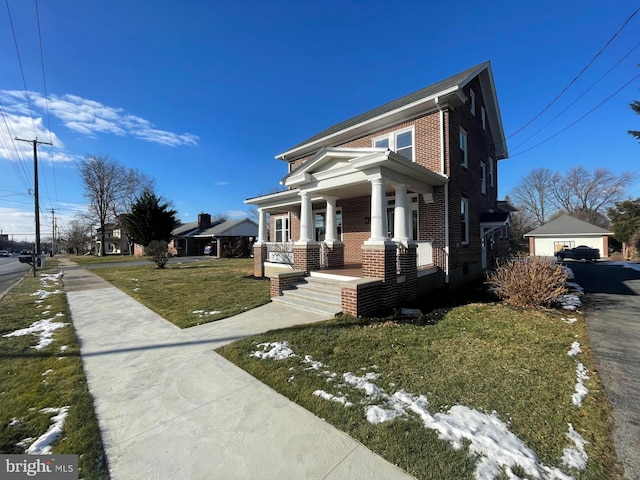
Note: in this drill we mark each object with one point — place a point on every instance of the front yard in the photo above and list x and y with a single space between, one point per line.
476 391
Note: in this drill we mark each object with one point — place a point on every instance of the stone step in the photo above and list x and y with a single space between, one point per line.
309 306
318 295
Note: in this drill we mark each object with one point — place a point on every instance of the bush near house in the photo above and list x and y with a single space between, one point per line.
529 281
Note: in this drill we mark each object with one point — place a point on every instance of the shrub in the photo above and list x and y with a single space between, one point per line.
158 251
529 281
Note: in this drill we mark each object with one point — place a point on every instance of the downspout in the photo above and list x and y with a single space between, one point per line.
446 193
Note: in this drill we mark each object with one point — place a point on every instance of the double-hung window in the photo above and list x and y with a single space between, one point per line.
400 142
463 148
464 221
282 228
483 178
483 116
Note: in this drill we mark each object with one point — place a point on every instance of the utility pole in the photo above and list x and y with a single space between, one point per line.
35 144
53 232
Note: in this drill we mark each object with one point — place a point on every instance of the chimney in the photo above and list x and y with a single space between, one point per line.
204 221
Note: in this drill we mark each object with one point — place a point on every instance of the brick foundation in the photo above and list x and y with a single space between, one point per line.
360 298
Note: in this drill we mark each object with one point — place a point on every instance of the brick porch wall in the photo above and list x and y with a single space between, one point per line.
306 257
379 261
259 257
335 255
284 281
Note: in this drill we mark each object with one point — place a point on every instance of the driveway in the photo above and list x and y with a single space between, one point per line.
613 322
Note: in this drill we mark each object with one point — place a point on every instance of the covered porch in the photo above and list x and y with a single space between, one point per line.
314 237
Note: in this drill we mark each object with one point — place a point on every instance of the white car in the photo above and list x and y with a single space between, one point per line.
4 253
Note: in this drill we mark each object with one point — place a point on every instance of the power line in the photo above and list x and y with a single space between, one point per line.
578 98
581 118
24 82
577 76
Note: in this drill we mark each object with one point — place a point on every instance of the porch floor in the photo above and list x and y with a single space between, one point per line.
349 271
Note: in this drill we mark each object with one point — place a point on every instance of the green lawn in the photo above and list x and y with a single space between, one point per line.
192 293
51 377
487 357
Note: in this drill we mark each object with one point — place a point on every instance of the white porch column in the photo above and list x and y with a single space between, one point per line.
262 225
379 229
306 218
331 235
401 215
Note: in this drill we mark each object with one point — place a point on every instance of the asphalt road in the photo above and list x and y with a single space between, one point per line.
612 307
11 270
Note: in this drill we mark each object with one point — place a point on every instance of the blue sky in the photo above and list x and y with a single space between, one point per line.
202 95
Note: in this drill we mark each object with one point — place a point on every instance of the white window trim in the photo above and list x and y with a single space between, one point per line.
465 147
391 136
472 96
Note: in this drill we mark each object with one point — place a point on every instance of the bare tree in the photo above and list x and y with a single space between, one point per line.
532 196
76 235
587 195
108 186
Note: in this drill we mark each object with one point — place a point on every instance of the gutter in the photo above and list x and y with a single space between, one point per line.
446 192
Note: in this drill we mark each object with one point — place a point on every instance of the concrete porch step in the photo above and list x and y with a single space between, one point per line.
317 295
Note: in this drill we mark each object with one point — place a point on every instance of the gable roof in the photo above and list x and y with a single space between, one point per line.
225 228
567 225
444 91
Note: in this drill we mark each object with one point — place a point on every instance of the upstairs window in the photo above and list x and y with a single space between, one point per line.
491 173
483 116
464 221
463 148
472 98
483 178
400 142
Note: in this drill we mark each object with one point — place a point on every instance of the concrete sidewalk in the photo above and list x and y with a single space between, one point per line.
169 407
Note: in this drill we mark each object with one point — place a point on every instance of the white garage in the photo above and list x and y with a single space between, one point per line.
567 231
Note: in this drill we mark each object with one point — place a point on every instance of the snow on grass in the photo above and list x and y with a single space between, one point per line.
277 351
489 440
42 445
43 294
574 350
581 390
569 320
575 456
43 329
204 313
333 398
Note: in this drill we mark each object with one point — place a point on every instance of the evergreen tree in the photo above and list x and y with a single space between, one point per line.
625 217
635 106
149 220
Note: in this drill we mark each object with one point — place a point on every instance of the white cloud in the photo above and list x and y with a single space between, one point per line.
16 125
89 117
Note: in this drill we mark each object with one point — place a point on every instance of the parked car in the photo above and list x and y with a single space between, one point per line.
4 253
581 252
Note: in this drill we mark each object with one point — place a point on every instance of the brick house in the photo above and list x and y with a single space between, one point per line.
392 203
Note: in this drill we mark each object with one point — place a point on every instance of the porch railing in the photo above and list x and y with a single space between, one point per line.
280 252
424 254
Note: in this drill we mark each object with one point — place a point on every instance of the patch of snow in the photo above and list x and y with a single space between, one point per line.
575 287
44 374
42 294
332 398
364 383
569 320
581 390
204 313
569 301
576 456
277 351
42 328
42 446
574 350
313 364
569 272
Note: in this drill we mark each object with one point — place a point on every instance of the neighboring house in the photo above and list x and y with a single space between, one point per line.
567 231
223 237
404 196
115 242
